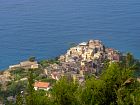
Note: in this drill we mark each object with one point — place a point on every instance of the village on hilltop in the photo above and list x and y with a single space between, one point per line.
87 58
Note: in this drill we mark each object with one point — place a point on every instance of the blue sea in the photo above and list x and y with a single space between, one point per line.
46 28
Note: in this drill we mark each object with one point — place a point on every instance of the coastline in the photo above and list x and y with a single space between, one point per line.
81 61
85 57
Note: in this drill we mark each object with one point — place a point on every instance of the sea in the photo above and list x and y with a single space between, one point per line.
47 28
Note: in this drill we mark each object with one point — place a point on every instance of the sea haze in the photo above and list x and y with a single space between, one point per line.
46 28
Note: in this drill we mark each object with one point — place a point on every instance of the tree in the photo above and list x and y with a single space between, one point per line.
44 63
30 97
32 59
129 59
64 92
105 90
129 93
92 93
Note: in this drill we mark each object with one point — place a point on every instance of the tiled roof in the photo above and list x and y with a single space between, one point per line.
41 84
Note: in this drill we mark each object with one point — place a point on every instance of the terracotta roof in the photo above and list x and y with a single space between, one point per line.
41 84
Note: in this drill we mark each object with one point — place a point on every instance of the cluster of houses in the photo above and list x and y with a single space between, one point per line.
90 55
87 58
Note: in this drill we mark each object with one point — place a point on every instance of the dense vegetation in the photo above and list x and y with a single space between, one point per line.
116 85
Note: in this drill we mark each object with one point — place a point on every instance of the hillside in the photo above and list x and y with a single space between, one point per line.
88 74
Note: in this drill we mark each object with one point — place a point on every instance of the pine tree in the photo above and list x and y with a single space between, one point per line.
30 97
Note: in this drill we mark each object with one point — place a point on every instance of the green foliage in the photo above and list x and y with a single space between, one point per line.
32 59
15 88
52 61
38 74
18 73
37 99
129 59
64 92
108 89
30 90
51 81
30 82
19 99
117 85
92 93
46 63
